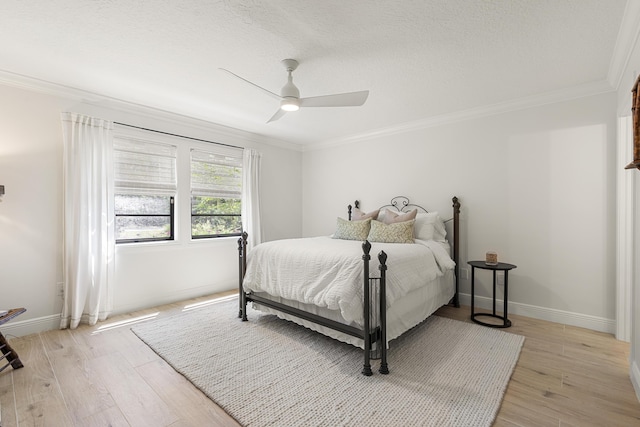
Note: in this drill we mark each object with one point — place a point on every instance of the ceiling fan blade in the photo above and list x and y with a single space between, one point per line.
277 115
351 99
252 84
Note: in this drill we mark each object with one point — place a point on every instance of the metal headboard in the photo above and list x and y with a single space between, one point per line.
401 203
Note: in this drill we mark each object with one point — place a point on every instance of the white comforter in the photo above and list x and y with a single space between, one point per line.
329 272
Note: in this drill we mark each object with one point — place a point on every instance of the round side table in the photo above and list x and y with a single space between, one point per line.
501 266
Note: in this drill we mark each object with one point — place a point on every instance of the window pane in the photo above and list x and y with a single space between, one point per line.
215 225
214 206
140 227
135 204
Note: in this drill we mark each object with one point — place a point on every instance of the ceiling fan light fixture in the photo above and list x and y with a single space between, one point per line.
290 95
290 104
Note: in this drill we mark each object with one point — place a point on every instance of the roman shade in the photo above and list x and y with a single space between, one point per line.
216 174
143 167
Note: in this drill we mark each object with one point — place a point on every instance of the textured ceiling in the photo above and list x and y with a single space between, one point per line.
418 58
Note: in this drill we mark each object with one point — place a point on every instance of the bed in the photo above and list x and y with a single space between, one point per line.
332 285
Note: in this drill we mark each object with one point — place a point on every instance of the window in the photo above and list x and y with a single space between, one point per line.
216 188
145 189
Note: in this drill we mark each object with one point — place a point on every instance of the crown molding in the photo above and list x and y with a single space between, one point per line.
101 101
625 43
574 92
93 99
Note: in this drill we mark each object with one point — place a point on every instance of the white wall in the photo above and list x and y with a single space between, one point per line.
31 212
536 185
31 209
631 72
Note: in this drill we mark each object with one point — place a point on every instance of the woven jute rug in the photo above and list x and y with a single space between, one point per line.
271 372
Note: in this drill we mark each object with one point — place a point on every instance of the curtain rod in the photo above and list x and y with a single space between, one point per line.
179 136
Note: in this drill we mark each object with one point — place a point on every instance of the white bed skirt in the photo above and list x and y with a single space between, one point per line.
404 314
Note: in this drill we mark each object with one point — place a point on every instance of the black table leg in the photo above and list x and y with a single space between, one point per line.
494 292
507 322
473 281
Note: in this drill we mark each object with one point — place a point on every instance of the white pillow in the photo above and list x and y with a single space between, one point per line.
429 226
383 213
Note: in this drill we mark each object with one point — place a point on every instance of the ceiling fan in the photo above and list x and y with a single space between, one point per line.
290 95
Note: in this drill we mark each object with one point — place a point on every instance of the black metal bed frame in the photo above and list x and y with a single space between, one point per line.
369 334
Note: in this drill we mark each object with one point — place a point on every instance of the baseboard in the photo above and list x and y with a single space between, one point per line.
46 323
20 328
595 323
635 378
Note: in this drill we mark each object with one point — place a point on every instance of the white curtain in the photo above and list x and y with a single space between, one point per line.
89 229
251 196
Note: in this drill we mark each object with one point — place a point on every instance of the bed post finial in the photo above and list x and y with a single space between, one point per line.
456 205
366 248
350 208
382 257
243 238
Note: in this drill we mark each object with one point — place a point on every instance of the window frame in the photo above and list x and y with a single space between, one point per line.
213 236
218 151
182 216
130 182
172 224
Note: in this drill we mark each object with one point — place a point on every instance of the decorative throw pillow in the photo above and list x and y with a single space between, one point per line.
352 230
399 232
358 215
391 217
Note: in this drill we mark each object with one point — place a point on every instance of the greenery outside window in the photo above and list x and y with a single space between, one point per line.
141 217
145 189
216 189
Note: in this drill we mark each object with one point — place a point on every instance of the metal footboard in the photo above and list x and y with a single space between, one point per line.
373 332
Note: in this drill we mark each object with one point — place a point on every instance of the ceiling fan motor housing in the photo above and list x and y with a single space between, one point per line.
290 90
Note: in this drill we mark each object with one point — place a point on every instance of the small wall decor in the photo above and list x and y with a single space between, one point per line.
492 258
635 112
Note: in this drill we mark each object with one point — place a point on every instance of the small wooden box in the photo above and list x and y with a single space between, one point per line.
492 258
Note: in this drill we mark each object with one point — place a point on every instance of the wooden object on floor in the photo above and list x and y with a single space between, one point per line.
7 352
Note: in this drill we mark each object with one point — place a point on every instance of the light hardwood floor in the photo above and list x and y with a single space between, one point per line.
105 376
